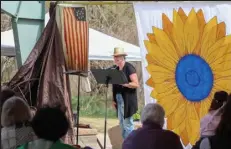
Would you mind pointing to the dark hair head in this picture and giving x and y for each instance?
(218, 100)
(224, 127)
(6, 93)
(50, 123)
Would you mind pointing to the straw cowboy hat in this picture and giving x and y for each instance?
(118, 51)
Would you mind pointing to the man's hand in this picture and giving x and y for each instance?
(134, 82)
(125, 85)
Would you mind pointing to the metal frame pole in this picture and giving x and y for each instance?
(78, 109)
(105, 122)
(105, 119)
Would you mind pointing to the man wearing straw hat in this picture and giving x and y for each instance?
(125, 95)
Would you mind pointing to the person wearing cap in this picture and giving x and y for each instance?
(125, 95)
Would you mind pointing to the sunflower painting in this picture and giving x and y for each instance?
(188, 61)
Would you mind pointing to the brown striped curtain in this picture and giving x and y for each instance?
(75, 32)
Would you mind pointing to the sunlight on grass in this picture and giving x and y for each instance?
(93, 106)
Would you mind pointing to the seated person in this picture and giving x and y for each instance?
(210, 122)
(50, 125)
(222, 137)
(6, 93)
(151, 135)
(15, 119)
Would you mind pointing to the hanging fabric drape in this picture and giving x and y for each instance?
(41, 81)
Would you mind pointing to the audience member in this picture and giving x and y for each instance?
(6, 93)
(15, 119)
(210, 122)
(50, 125)
(151, 135)
(222, 137)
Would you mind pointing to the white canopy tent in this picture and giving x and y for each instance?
(100, 45)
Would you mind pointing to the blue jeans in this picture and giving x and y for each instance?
(126, 125)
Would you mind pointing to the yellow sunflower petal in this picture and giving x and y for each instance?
(197, 106)
(191, 32)
(170, 103)
(151, 38)
(221, 62)
(167, 25)
(201, 21)
(161, 74)
(160, 78)
(165, 44)
(193, 126)
(150, 82)
(159, 69)
(153, 94)
(221, 30)
(169, 122)
(173, 90)
(184, 137)
(152, 60)
(218, 49)
(157, 54)
(178, 33)
(180, 128)
(180, 114)
(220, 52)
(223, 84)
(182, 15)
(167, 28)
(209, 36)
(225, 72)
(164, 87)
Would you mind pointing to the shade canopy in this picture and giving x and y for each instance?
(101, 46)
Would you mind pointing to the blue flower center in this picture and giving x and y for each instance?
(194, 77)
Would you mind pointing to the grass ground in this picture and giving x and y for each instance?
(92, 112)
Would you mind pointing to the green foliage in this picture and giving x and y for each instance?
(93, 106)
(136, 116)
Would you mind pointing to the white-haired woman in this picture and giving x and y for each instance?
(15, 119)
(151, 135)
